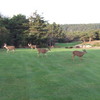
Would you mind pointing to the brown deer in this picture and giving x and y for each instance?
(9, 48)
(32, 46)
(42, 51)
(78, 53)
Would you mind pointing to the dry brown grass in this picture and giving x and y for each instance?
(92, 42)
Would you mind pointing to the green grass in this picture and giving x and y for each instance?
(25, 76)
(67, 44)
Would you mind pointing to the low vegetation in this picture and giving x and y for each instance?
(25, 76)
(67, 44)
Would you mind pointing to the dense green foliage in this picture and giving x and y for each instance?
(25, 76)
(13, 29)
(19, 31)
(84, 32)
(37, 28)
(80, 27)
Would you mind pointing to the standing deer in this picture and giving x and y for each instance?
(9, 48)
(78, 53)
(32, 46)
(42, 50)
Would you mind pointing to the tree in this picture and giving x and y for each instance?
(97, 34)
(91, 35)
(37, 29)
(55, 33)
(4, 32)
(4, 35)
(83, 36)
(17, 26)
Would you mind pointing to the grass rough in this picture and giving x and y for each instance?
(25, 76)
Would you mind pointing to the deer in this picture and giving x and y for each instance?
(78, 53)
(32, 46)
(9, 48)
(42, 51)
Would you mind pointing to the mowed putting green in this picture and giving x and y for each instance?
(55, 76)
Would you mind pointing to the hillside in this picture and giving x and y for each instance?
(80, 27)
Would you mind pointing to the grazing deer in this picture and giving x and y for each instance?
(12, 48)
(78, 53)
(42, 50)
(32, 46)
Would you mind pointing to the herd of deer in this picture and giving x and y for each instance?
(44, 51)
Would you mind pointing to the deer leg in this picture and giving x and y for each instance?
(38, 54)
(73, 57)
(13, 50)
(45, 54)
(80, 58)
(7, 50)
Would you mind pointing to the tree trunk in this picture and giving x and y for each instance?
(90, 39)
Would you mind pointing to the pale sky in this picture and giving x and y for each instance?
(59, 11)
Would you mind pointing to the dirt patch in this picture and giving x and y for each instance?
(92, 42)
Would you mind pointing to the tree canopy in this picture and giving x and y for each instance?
(19, 31)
